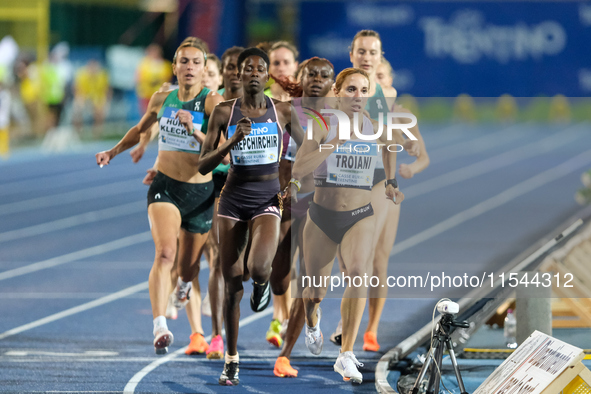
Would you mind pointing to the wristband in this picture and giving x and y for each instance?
(392, 182)
(296, 183)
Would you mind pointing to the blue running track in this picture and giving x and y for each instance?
(75, 253)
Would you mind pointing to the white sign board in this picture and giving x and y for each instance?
(532, 367)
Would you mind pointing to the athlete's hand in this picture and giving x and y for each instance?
(103, 158)
(290, 193)
(406, 171)
(243, 128)
(151, 173)
(137, 153)
(394, 194)
(412, 147)
(186, 119)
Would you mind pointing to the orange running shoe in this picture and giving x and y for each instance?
(216, 349)
(283, 369)
(370, 342)
(198, 345)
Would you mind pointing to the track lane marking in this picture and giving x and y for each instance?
(81, 254)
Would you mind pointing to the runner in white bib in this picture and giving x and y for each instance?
(341, 214)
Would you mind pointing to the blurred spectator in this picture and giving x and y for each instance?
(4, 112)
(152, 72)
(91, 86)
(28, 83)
(54, 76)
(212, 79)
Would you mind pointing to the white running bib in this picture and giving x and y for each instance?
(352, 164)
(261, 146)
(173, 134)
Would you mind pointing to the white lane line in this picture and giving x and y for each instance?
(133, 382)
(543, 178)
(484, 143)
(61, 179)
(60, 296)
(81, 254)
(107, 360)
(494, 163)
(37, 353)
(77, 309)
(73, 221)
(86, 194)
(449, 133)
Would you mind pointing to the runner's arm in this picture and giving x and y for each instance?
(214, 149)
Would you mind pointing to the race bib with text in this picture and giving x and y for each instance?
(174, 135)
(352, 164)
(261, 146)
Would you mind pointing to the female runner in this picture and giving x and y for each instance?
(253, 126)
(317, 77)
(341, 213)
(366, 53)
(180, 199)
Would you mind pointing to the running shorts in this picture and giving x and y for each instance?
(246, 200)
(335, 224)
(193, 200)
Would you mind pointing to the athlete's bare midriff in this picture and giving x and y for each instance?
(181, 166)
(341, 198)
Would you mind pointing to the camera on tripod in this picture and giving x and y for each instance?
(441, 340)
(450, 307)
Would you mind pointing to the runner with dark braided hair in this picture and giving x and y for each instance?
(317, 77)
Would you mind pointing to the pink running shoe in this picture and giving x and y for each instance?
(216, 348)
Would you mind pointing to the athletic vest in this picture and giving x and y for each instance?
(352, 164)
(376, 104)
(259, 152)
(173, 136)
(290, 151)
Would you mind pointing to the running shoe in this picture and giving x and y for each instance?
(583, 196)
(347, 365)
(314, 338)
(206, 306)
(181, 296)
(198, 345)
(260, 297)
(586, 178)
(216, 348)
(370, 342)
(171, 311)
(337, 336)
(162, 340)
(283, 369)
(274, 333)
(230, 375)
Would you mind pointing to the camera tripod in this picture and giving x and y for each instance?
(441, 338)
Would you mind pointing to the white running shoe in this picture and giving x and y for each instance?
(346, 365)
(181, 296)
(337, 336)
(206, 306)
(162, 340)
(171, 311)
(314, 338)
